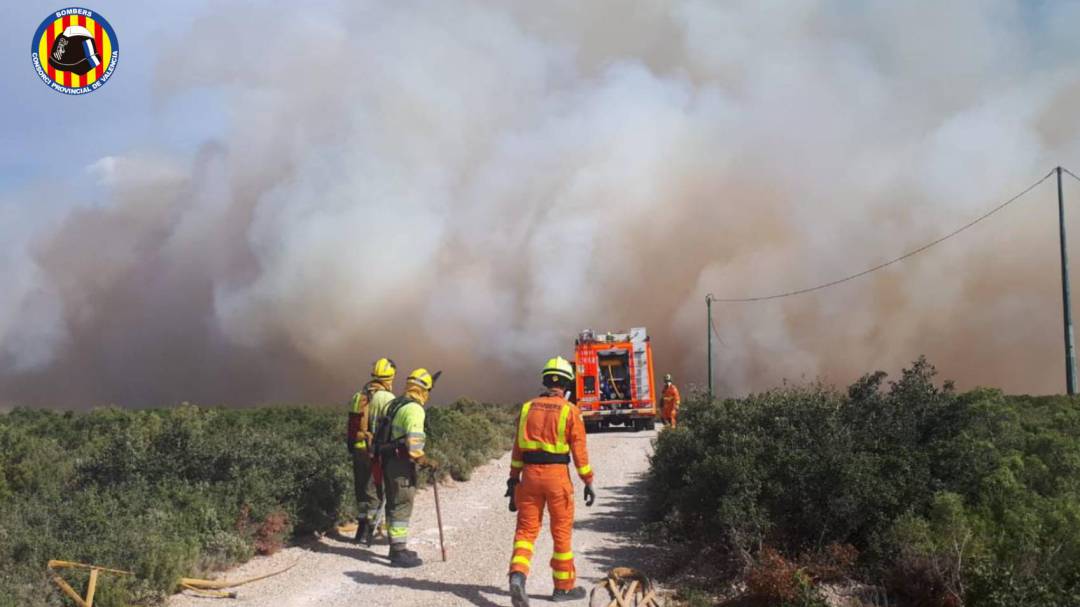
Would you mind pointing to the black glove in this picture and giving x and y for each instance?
(511, 483)
(590, 495)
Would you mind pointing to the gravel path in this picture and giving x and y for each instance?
(479, 531)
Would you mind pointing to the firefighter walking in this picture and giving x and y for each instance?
(671, 399)
(399, 441)
(368, 405)
(550, 430)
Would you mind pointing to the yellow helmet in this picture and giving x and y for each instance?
(384, 368)
(422, 378)
(559, 367)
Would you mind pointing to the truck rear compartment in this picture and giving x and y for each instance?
(614, 375)
(615, 379)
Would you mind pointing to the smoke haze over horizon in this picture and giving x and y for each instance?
(465, 187)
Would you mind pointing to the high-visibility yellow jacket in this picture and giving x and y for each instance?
(550, 430)
(408, 424)
(370, 402)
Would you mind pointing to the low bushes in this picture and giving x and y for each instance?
(775, 580)
(175, 492)
(467, 434)
(948, 498)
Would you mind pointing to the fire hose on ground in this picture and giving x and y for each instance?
(91, 586)
(206, 588)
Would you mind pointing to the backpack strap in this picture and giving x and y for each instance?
(364, 396)
(384, 439)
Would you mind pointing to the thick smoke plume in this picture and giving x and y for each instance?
(464, 186)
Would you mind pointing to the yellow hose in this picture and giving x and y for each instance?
(611, 380)
(70, 565)
(218, 584)
(206, 588)
(91, 586)
(210, 594)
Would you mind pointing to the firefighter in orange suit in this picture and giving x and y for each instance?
(550, 430)
(671, 401)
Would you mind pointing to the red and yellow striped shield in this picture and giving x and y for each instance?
(75, 51)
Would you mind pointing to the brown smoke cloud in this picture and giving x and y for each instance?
(464, 186)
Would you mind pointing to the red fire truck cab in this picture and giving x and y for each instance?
(615, 379)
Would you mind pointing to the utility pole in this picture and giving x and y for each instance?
(708, 335)
(1070, 343)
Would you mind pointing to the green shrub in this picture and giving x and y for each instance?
(693, 597)
(947, 496)
(179, 492)
(467, 434)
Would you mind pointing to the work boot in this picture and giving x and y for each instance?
(561, 596)
(369, 537)
(400, 556)
(362, 530)
(518, 596)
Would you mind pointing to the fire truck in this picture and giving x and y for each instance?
(615, 379)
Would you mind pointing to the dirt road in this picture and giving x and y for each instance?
(479, 530)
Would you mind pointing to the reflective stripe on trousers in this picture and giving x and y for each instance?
(399, 478)
(545, 487)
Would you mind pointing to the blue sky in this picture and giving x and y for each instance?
(47, 135)
(126, 114)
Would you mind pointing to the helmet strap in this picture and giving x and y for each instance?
(556, 382)
(419, 394)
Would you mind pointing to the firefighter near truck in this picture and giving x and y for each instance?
(614, 384)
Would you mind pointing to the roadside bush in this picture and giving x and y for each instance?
(949, 498)
(466, 434)
(178, 492)
(774, 580)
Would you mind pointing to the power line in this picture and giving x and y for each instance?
(886, 264)
(716, 333)
(1070, 173)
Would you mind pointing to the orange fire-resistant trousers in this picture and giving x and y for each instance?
(670, 414)
(545, 485)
